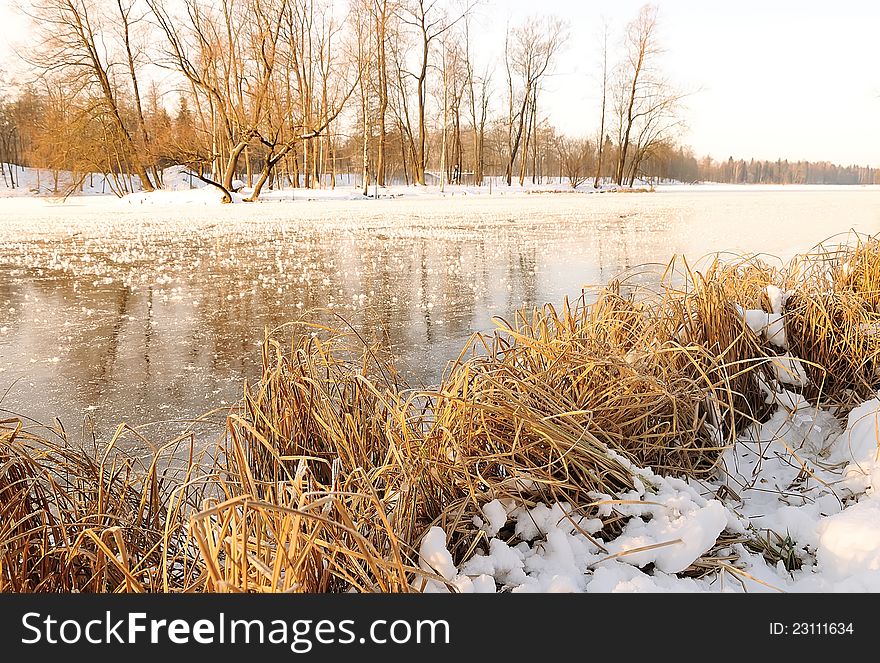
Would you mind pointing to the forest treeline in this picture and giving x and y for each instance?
(680, 164)
(310, 93)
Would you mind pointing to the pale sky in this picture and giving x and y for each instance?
(795, 79)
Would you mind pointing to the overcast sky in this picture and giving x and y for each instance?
(795, 79)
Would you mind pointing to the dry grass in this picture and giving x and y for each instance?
(325, 461)
(77, 520)
(834, 319)
(330, 469)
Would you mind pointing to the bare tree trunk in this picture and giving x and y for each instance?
(403, 156)
(332, 152)
(247, 164)
(419, 167)
(527, 115)
(366, 148)
(443, 138)
(382, 65)
(125, 16)
(536, 176)
(365, 128)
(267, 171)
(601, 142)
(232, 164)
(528, 52)
(472, 98)
(640, 35)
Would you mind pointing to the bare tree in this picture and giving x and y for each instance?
(659, 123)
(228, 55)
(529, 51)
(77, 41)
(364, 49)
(401, 108)
(479, 107)
(600, 139)
(641, 47)
(454, 73)
(647, 106)
(575, 159)
(307, 95)
(385, 16)
(129, 21)
(430, 21)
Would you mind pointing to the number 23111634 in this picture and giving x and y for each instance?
(811, 628)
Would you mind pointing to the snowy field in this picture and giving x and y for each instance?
(150, 310)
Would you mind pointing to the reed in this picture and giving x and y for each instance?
(95, 520)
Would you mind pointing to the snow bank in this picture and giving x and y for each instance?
(20, 182)
(797, 476)
(859, 446)
(670, 526)
(206, 195)
(683, 536)
(849, 544)
(178, 181)
(180, 178)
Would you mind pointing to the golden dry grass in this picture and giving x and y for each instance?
(73, 520)
(331, 469)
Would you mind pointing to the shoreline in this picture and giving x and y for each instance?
(207, 195)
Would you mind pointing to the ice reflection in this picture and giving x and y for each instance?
(156, 315)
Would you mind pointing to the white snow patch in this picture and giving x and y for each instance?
(789, 370)
(756, 319)
(496, 517)
(433, 555)
(849, 543)
(859, 447)
(776, 330)
(785, 478)
(777, 298)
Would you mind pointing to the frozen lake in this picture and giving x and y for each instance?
(153, 314)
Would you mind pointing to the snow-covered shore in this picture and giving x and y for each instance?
(798, 475)
(181, 186)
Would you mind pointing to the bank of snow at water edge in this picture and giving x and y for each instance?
(207, 194)
(798, 475)
(181, 185)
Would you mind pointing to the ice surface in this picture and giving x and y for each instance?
(164, 297)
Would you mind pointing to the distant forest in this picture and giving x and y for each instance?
(680, 164)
